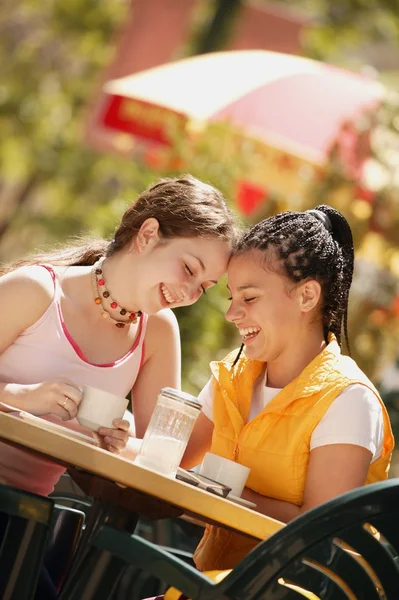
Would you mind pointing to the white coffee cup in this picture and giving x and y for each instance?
(99, 408)
(225, 471)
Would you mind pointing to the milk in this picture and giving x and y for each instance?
(161, 453)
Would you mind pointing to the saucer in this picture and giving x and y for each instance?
(50, 426)
(202, 482)
(238, 500)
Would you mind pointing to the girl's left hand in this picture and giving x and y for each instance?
(116, 439)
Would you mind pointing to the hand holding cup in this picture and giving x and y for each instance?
(102, 412)
(116, 438)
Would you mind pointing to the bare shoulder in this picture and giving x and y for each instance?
(27, 291)
(162, 330)
(34, 280)
(164, 318)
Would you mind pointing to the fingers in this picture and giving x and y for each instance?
(121, 424)
(72, 392)
(114, 449)
(60, 411)
(68, 398)
(114, 439)
(68, 407)
(117, 442)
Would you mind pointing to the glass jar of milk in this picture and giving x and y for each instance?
(168, 431)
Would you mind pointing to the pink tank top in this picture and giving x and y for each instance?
(46, 351)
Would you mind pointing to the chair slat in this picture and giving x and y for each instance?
(24, 526)
(388, 525)
(277, 591)
(378, 557)
(347, 568)
(316, 578)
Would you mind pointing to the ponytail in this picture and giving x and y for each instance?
(342, 234)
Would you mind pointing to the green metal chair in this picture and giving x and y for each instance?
(83, 503)
(345, 549)
(174, 535)
(65, 530)
(25, 522)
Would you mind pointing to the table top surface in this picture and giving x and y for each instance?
(73, 452)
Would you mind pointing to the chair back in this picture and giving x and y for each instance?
(24, 525)
(345, 549)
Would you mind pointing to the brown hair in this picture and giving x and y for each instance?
(184, 207)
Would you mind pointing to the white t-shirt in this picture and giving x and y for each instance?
(355, 416)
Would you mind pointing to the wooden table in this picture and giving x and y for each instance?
(100, 472)
(124, 491)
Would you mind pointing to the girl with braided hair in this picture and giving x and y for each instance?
(289, 405)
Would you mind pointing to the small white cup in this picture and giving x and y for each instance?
(99, 408)
(225, 471)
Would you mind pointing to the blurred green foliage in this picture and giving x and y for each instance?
(52, 186)
(343, 25)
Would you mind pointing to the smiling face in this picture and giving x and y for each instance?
(179, 272)
(270, 312)
(174, 272)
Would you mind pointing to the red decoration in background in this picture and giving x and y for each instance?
(152, 158)
(250, 196)
(284, 162)
(351, 148)
(176, 163)
(142, 119)
(155, 159)
(395, 306)
(364, 194)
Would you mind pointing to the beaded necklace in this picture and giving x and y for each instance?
(100, 291)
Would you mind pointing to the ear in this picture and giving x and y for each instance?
(148, 235)
(308, 294)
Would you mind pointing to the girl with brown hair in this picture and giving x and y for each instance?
(99, 314)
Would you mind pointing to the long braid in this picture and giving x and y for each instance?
(343, 235)
(313, 244)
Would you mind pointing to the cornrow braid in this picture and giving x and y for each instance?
(314, 244)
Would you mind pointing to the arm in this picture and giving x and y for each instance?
(161, 367)
(332, 470)
(201, 437)
(199, 443)
(24, 297)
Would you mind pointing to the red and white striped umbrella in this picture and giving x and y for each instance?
(292, 104)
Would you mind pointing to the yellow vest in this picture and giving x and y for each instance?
(275, 445)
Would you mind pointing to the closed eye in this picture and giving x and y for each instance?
(245, 299)
(189, 271)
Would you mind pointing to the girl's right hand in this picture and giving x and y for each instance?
(56, 397)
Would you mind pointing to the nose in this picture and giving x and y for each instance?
(234, 313)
